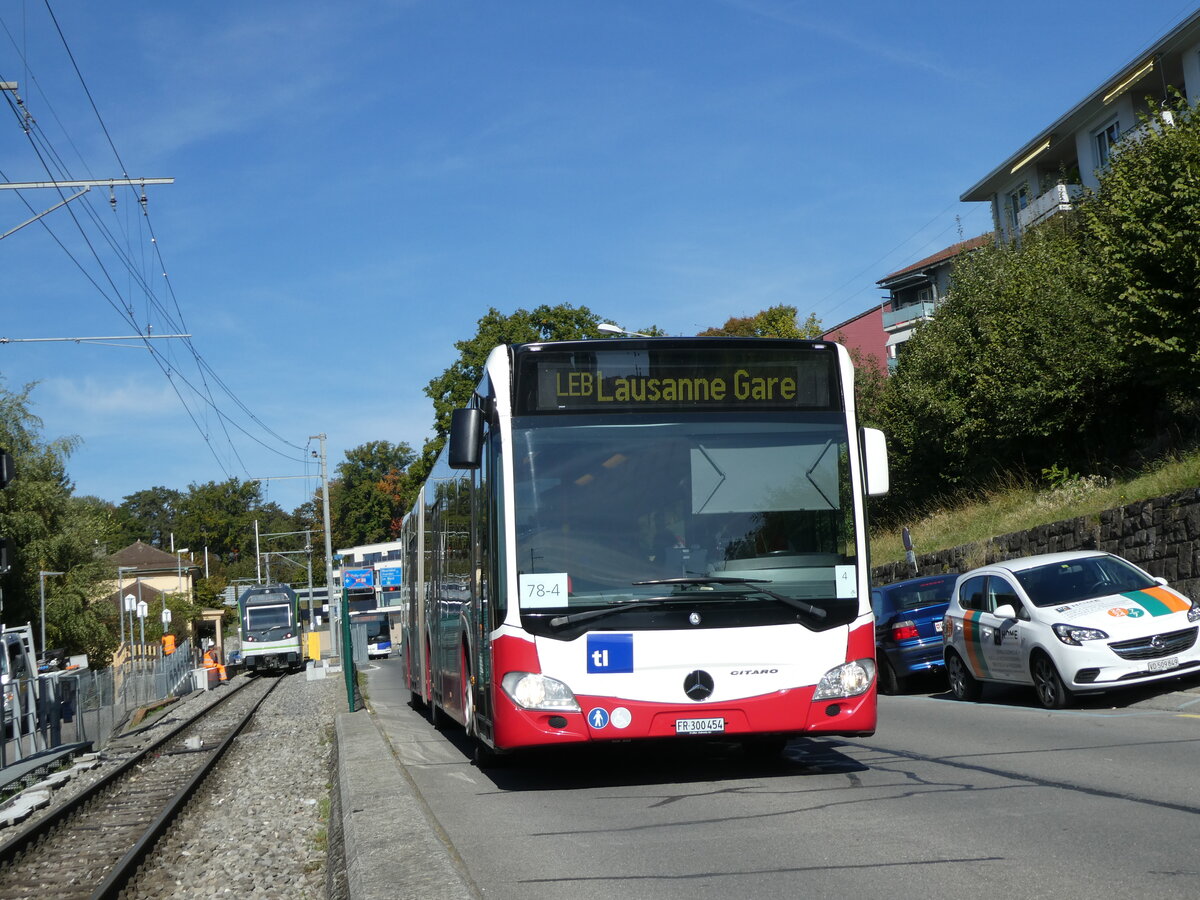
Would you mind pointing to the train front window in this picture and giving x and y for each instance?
(260, 618)
(603, 502)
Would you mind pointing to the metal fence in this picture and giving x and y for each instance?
(88, 705)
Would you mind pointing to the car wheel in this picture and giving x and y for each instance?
(1051, 692)
(889, 681)
(962, 683)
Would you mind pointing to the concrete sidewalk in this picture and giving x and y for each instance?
(394, 848)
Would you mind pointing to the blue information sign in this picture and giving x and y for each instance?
(358, 578)
(389, 577)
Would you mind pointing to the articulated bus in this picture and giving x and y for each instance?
(647, 538)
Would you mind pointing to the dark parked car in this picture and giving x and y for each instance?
(908, 628)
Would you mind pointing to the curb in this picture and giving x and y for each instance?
(391, 848)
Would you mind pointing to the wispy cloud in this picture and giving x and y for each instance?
(93, 398)
(798, 16)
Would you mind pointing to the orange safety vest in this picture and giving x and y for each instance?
(210, 662)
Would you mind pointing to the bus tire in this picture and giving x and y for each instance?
(485, 757)
(468, 694)
(436, 716)
(763, 747)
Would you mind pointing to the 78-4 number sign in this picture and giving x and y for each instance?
(541, 590)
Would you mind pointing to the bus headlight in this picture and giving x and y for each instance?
(532, 691)
(847, 680)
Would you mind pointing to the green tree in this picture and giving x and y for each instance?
(366, 500)
(775, 322)
(1144, 257)
(1013, 374)
(453, 388)
(149, 515)
(220, 515)
(50, 530)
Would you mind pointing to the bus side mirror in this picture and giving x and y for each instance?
(875, 458)
(466, 438)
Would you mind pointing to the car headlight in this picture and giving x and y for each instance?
(847, 680)
(1194, 613)
(532, 691)
(1075, 635)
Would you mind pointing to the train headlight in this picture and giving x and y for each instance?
(532, 691)
(847, 680)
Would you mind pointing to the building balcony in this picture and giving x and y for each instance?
(1056, 200)
(894, 319)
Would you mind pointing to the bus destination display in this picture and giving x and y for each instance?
(604, 381)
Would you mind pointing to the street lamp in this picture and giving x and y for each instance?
(42, 591)
(609, 328)
(120, 598)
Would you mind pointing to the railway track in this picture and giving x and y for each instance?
(91, 847)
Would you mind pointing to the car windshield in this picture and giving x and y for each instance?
(602, 503)
(917, 594)
(1082, 579)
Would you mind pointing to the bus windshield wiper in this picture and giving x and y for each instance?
(560, 621)
(794, 602)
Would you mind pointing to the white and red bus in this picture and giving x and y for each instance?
(647, 538)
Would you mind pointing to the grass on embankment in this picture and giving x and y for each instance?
(1022, 506)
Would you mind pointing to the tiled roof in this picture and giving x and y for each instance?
(940, 256)
(145, 558)
(144, 591)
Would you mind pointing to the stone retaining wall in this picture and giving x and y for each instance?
(1160, 535)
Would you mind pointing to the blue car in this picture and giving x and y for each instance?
(908, 628)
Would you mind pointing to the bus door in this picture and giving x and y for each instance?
(485, 519)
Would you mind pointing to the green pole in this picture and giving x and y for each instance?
(347, 656)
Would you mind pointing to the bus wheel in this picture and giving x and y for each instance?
(415, 700)
(485, 757)
(763, 747)
(468, 695)
(437, 718)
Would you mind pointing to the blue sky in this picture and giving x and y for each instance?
(357, 183)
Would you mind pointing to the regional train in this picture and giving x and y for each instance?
(270, 629)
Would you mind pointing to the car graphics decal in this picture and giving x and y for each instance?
(973, 633)
(1157, 601)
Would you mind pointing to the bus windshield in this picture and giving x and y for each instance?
(731, 507)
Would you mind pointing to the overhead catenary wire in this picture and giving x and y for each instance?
(102, 280)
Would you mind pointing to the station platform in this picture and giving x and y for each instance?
(393, 847)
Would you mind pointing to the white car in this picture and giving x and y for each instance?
(1066, 623)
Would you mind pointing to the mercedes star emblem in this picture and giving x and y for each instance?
(698, 685)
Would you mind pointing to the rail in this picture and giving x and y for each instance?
(80, 844)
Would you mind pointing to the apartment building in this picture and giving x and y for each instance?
(1058, 164)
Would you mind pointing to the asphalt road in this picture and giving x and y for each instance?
(949, 799)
